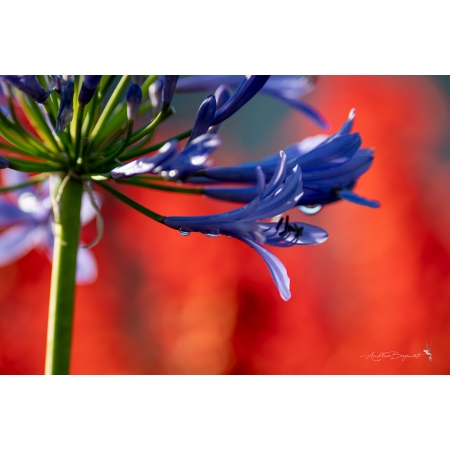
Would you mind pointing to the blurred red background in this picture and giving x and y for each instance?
(168, 304)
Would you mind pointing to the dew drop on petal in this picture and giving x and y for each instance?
(184, 232)
(314, 209)
(212, 234)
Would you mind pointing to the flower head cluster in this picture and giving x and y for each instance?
(101, 129)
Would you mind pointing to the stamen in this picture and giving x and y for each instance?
(280, 222)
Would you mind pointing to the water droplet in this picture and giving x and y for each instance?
(313, 209)
(184, 232)
(212, 234)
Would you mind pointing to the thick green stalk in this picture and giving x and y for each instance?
(62, 291)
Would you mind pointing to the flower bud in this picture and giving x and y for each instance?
(65, 113)
(170, 83)
(88, 88)
(134, 98)
(155, 94)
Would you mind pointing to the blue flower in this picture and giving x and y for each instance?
(330, 165)
(288, 89)
(65, 113)
(26, 221)
(205, 117)
(88, 88)
(246, 223)
(170, 162)
(29, 85)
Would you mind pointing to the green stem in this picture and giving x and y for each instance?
(115, 153)
(62, 291)
(163, 187)
(152, 148)
(132, 203)
(109, 106)
(79, 123)
(24, 165)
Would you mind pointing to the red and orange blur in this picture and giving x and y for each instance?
(168, 304)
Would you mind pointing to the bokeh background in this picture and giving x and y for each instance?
(168, 304)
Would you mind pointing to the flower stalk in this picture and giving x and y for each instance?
(62, 291)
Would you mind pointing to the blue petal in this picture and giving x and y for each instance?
(355, 198)
(16, 242)
(222, 94)
(277, 270)
(250, 86)
(86, 267)
(278, 176)
(204, 117)
(285, 199)
(342, 174)
(309, 235)
(194, 157)
(238, 195)
(170, 83)
(316, 197)
(347, 127)
(308, 110)
(10, 214)
(336, 147)
(147, 164)
(207, 83)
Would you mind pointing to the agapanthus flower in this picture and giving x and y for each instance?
(110, 137)
(170, 162)
(246, 223)
(27, 222)
(286, 88)
(331, 166)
